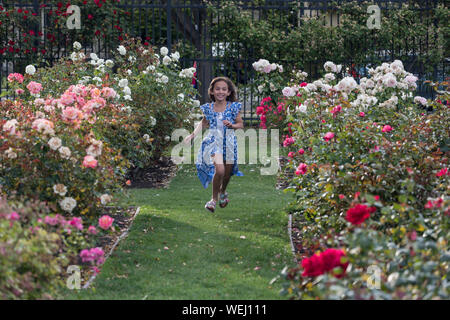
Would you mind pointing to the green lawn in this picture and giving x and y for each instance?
(178, 250)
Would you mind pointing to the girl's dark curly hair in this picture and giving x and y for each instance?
(231, 87)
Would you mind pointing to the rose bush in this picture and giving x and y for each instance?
(50, 149)
(37, 246)
(371, 181)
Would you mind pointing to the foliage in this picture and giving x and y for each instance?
(101, 20)
(308, 41)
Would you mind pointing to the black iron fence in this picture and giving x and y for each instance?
(200, 31)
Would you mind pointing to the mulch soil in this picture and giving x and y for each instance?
(283, 181)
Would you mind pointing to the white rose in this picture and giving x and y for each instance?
(127, 91)
(30, 69)
(288, 92)
(175, 56)
(60, 189)
(55, 143)
(166, 60)
(132, 59)
(127, 97)
(153, 121)
(123, 83)
(122, 50)
(65, 152)
(105, 199)
(77, 45)
(68, 204)
(109, 63)
(196, 103)
(301, 108)
(94, 56)
(164, 51)
(164, 79)
(180, 97)
(10, 126)
(11, 154)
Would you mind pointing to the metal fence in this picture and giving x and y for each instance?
(189, 26)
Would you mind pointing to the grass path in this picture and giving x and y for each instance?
(178, 250)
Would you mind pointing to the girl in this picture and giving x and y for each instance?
(217, 157)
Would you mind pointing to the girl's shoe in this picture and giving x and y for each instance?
(223, 201)
(210, 205)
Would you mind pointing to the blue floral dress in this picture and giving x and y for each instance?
(219, 140)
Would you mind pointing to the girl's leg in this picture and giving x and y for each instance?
(218, 176)
(226, 177)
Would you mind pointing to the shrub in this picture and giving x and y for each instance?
(372, 182)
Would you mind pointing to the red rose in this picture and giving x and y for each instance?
(331, 258)
(313, 266)
(359, 213)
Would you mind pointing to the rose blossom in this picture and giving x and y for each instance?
(105, 222)
(70, 113)
(65, 152)
(331, 258)
(359, 213)
(105, 198)
(68, 204)
(89, 162)
(301, 169)
(34, 87)
(10, 126)
(92, 230)
(328, 136)
(54, 143)
(386, 128)
(15, 76)
(313, 266)
(60, 189)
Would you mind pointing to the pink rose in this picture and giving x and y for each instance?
(70, 113)
(301, 169)
(328, 136)
(362, 114)
(14, 216)
(92, 230)
(301, 151)
(386, 128)
(105, 222)
(291, 154)
(34, 87)
(19, 91)
(108, 92)
(89, 162)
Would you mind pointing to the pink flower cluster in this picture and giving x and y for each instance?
(336, 110)
(443, 172)
(288, 141)
(34, 87)
(15, 77)
(80, 102)
(96, 255)
(434, 203)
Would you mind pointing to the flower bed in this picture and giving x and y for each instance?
(371, 205)
(67, 142)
